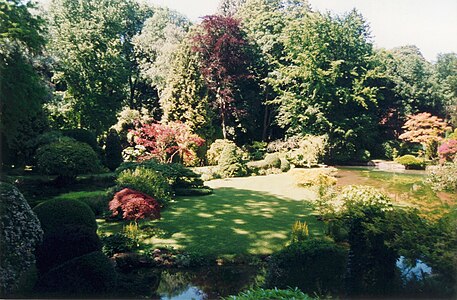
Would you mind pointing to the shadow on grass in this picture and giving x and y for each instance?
(230, 221)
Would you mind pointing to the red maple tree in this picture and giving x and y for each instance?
(164, 141)
(134, 205)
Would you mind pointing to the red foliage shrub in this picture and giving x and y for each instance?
(447, 151)
(134, 205)
(164, 141)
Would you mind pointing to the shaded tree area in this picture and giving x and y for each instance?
(258, 70)
(22, 90)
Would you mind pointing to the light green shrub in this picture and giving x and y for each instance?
(230, 162)
(411, 162)
(309, 151)
(147, 181)
(214, 152)
(270, 294)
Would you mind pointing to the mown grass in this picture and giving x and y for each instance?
(228, 222)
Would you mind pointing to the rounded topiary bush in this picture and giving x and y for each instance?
(89, 275)
(55, 213)
(67, 159)
(64, 244)
(411, 162)
(313, 265)
(20, 232)
(147, 181)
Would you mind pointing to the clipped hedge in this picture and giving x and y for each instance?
(55, 213)
(83, 136)
(67, 159)
(64, 244)
(89, 275)
(20, 232)
(411, 162)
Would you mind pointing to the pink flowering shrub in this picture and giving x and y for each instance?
(134, 205)
(447, 151)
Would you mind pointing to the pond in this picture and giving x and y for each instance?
(406, 188)
(202, 283)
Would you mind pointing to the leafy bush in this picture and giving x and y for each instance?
(411, 162)
(113, 150)
(447, 151)
(178, 176)
(313, 266)
(230, 162)
(118, 243)
(315, 177)
(67, 159)
(55, 213)
(272, 160)
(310, 151)
(83, 136)
(273, 294)
(64, 244)
(257, 150)
(20, 233)
(390, 149)
(443, 178)
(134, 205)
(215, 151)
(89, 275)
(147, 181)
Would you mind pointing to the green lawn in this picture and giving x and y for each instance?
(240, 217)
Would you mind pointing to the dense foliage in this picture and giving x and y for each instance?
(312, 265)
(266, 294)
(147, 181)
(67, 159)
(134, 205)
(87, 276)
(20, 233)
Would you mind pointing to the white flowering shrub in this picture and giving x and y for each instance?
(358, 196)
(20, 233)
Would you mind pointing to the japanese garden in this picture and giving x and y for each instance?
(266, 151)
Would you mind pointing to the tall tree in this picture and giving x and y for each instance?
(22, 91)
(325, 84)
(87, 39)
(157, 43)
(446, 71)
(224, 53)
(185, 97)
(264, 22)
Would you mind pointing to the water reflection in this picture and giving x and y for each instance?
(199, 284)
(417, 272)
